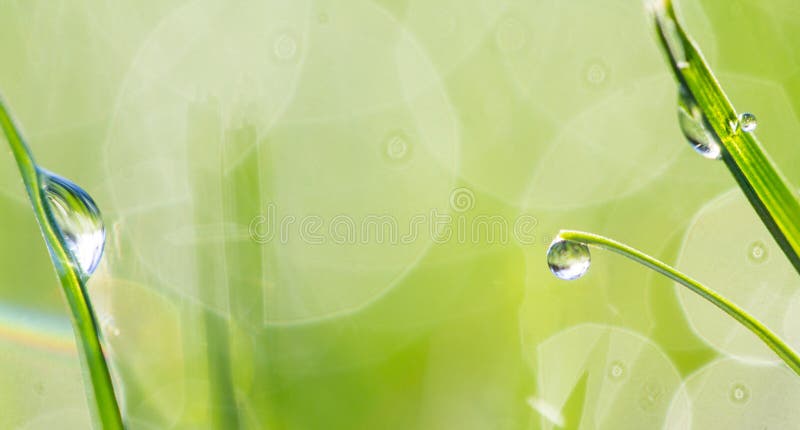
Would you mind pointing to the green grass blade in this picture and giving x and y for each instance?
(772, 340)
(102, 399)
(767, 190)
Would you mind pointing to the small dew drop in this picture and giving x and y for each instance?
(739, 393)
(747, 122)
(695, 127)
(568, 260)
(78, 220)
(757, 252)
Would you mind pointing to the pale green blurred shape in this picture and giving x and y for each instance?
(188, 120)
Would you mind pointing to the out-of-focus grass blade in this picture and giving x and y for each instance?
(768, 191)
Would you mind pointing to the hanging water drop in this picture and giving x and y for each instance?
(568, 260)
(78, 219)
(747, 122)
(695, 127)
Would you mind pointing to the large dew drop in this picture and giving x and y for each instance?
(78, 220)
(695, 127)
(568, 260)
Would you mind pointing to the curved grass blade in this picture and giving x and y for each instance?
(772, 340)
(100, 390)
(768, 191)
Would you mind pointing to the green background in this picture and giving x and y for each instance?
(188, 121)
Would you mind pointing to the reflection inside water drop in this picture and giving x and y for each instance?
(695, 127)
(568, 260)
(78, 220)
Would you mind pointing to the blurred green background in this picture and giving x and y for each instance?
(330, 214)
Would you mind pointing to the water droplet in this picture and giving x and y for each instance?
(757, 252)
(568, 260)
(739, 393)
(747, 122)
(617, 370)
(695, 127)
(78, 220)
